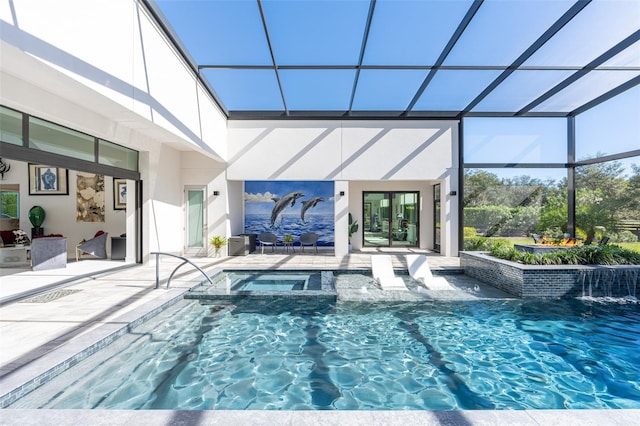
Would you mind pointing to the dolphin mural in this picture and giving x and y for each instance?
(306, 205)
(281, 203)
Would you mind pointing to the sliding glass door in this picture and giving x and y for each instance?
(390, 219)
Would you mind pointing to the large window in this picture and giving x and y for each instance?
(608, 201)
(512, 204)
(10, 126)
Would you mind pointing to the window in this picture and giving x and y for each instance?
(10, 202)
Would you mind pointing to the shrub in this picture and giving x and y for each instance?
(469, 232)
(587, 255)
(483, 243)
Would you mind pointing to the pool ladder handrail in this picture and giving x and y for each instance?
(185, 261)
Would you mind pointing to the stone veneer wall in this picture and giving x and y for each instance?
(530, 281)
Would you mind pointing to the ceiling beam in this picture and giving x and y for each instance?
(363, 48)
(473, 9)
(273, 56)
(548, 34)
(633, 38)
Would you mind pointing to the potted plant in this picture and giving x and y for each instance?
(288, 239)
(218, 242)
(353, 228)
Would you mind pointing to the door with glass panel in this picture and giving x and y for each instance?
(196, 221)
(436, 217)
(391, 219)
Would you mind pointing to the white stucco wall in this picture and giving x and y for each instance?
(358, 156)
(103, 67)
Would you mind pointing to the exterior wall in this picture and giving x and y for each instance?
(130, 86)
(129, 81)
(358, 156)
(107, 70)
(533, 281)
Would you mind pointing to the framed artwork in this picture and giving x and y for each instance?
(48, 180)
(119, 194)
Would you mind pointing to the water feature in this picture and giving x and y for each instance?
(602, 281)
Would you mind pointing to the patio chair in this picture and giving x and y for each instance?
(309, 239)
(97, 246)
(267, 239)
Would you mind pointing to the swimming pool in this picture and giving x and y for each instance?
(286, 354)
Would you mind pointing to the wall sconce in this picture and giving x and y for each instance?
(216, 193)
(453, 193)
(342, 193)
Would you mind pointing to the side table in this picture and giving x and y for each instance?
(118, 248)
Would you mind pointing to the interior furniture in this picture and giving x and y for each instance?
(13, 255)
(97, 246)
(309, 239)
(239, 245)
(48, 253)
(118, 248)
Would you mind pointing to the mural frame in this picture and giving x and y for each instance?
(37, 184)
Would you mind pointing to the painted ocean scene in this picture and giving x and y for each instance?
(290, 207)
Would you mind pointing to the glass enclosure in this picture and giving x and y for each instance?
(513, 204)
(391, 219)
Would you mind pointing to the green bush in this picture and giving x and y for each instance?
(483, 243)
(469, 232)
(587, 255)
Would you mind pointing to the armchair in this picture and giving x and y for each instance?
(97, 246)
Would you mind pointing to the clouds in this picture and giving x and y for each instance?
(259, 197)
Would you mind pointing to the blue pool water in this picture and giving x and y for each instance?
(294, 355)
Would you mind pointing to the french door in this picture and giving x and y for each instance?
(390, 219)
(195, 220)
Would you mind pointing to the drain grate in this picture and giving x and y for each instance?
(50, 296)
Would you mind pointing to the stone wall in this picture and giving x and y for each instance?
(535, 281)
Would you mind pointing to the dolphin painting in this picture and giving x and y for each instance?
(281, 203)
(306, 205)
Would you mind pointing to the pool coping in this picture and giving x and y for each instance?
(21, 417)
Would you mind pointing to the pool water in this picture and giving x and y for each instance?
(287, 354)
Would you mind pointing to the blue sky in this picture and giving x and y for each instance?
(402, 34)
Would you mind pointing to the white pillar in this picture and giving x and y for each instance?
(341, 205)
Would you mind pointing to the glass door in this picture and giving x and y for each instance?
(390, 219)
(436, 217)
(195, 238)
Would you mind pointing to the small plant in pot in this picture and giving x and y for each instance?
(288, 239)
(218, 242)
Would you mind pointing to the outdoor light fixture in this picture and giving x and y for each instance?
(216, 193)
(452, 193)
(342, 193)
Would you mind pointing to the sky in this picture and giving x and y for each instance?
(405, 37)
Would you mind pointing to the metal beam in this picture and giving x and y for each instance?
(273, 56)
(633, 38)
(606, 96)
(363, 48)
(473, 9)
(30, 155)
(551, 31)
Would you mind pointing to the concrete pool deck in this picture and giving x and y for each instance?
(42, 331)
